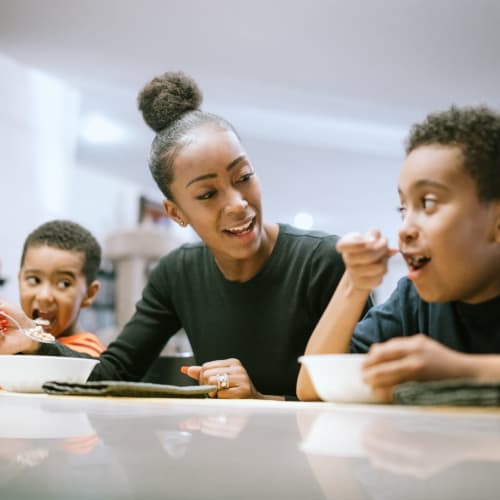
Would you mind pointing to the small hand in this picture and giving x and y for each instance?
(402, 359)
(365, 258)
(12, 339)
(240, 385)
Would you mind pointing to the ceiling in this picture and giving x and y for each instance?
(278, 69)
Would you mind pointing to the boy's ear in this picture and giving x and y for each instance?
(90, 296)
(174, 212)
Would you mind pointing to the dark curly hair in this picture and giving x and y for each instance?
(67, 235)
(170, 105)
(476, 131)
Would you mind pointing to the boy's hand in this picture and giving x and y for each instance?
(365, 257)
(13, 340)
(402, 359)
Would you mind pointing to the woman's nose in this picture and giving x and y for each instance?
(235, 203)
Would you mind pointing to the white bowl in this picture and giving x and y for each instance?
(337, 377)
(22, 373)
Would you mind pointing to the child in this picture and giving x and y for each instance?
(443, 319)
(59, 265)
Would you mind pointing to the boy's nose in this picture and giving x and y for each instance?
(44, 293)
(408, 232)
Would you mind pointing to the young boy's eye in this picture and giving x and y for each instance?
(32, 280)
(63, 284)
(206, 196)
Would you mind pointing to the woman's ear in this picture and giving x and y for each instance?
(497, 221)
(174, 212)
(91, 294)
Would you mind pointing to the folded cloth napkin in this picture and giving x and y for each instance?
(128, 389)
(451, 392)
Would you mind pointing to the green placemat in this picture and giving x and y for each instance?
(128, 389)
(452, 392)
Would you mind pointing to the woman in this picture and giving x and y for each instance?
(249, 294)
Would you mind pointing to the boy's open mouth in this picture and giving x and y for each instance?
(40, 319)
(416, 261)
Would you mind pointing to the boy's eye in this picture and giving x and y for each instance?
(32, 280)
(402, 211)
(206, 196)
(428, 203)
(63, 284)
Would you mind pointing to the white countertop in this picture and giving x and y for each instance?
(60, 447)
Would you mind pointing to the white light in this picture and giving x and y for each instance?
(303, 220)
(99, 130)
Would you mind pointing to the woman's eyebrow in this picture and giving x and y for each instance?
(233, 164)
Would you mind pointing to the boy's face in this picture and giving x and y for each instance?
(449, 239)
(52, 286)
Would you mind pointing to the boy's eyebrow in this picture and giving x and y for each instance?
(59, 271)
(211, 176)
(427, 183)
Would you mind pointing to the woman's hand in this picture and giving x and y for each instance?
(239, 385)
(13, 340)
(402, 359)
(365, 258)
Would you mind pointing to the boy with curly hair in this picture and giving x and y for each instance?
(443, 319)
(58, 277)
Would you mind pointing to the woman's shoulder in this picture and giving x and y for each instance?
(306, 237)
(186, 254)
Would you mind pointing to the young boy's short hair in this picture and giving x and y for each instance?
(68, 235)
(476, 131)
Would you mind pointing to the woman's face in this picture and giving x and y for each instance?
(216, 191)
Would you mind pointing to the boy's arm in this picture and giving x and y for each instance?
(333, 332)
(365, 258)
(421, 358)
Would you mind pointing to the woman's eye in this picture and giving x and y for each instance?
(246, 177)
(205, 196)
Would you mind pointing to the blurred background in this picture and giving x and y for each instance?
(322, 92)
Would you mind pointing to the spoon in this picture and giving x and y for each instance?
(36, 333)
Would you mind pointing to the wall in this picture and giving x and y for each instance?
(40, 179)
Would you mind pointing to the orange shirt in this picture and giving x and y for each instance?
(83, 342)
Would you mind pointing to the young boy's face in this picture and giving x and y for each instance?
(449, 239)
(52, 286)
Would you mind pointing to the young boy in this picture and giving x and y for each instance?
(59, 265)
(443, 319)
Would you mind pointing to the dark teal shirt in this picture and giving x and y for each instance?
(469, 328)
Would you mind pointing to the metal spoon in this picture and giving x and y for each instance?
(36, 333)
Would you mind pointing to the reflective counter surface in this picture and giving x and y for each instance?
(60, 447)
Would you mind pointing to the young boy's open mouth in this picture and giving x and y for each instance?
(415, 263)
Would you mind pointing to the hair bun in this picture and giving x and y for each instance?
(167, 97)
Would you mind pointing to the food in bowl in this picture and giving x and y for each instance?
(26, 373)
(337, 377)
